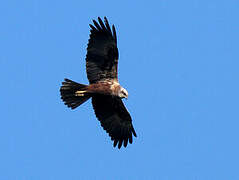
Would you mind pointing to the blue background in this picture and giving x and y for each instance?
(178, 61)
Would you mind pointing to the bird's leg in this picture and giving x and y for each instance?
(80, 93)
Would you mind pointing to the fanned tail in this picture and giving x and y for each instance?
(68, 93)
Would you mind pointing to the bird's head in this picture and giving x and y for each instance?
(123, 93)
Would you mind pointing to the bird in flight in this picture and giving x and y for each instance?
(104, 89)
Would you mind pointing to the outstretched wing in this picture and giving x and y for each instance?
(102, 52)
(114, 118)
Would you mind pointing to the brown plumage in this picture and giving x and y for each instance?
(104, 88)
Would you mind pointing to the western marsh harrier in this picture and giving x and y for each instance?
(104, 88)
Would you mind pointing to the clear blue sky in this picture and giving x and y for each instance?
(179, 61)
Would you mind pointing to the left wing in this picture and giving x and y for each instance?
(102, 52)
(114, 118)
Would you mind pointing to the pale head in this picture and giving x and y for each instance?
(123, 93)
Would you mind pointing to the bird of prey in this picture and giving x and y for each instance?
(104, 88)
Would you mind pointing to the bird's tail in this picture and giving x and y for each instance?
(72, 93)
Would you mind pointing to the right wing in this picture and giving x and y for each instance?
(102, 52)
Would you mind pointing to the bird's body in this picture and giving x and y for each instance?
(104, 88)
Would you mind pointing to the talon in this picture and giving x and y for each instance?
(80, 93)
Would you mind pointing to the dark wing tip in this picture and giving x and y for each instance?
(120, 143)
(115, 143)
(92, 27)
(103, 27)
(107, 25)
(124, 138)
(99, 19)
(133, 131)
(125, 142)
(114, 33)
(97, 25)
